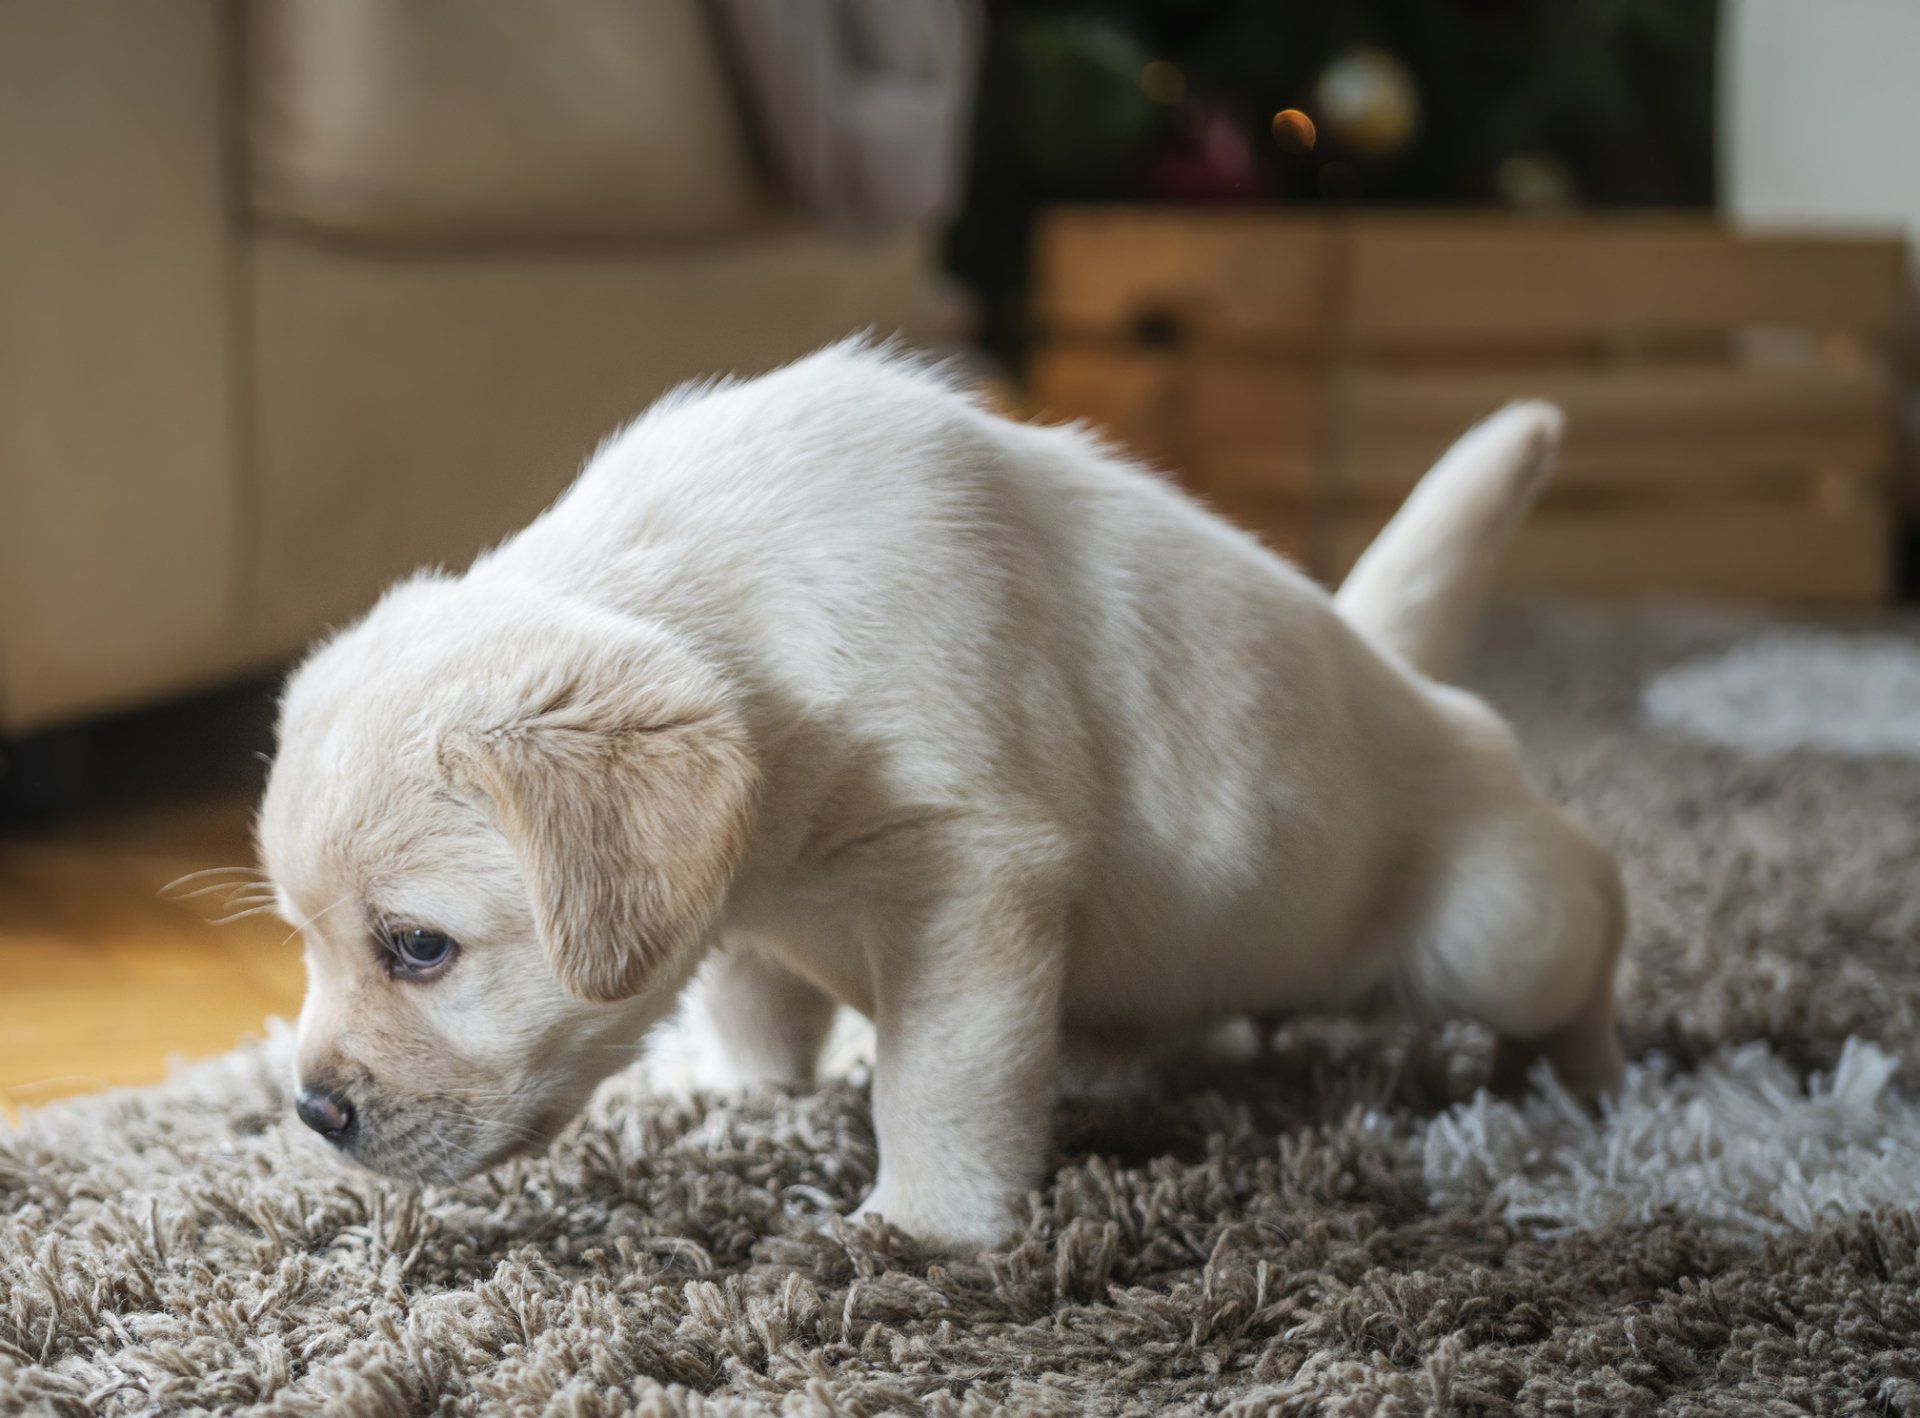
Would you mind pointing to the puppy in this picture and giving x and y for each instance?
(837, 688)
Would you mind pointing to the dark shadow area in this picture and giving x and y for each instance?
(210, 744)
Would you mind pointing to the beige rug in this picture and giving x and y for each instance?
(1341, 1226)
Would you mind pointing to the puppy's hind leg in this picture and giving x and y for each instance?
(1584, 1053)
(1525, 938)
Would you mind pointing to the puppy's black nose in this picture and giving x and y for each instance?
(326, 1112)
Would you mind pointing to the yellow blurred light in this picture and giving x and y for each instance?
(1163, 82)
(1367, 100)
(1294, 131)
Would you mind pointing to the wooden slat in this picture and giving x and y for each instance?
(1132, 397)
(1221, 423)
(1302, 372)
(1471, 282)
(1255, 426)
(1113, 271)
(1779, 550)
(1632, 427)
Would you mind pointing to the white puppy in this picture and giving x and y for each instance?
(843, 689)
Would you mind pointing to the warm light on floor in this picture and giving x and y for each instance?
(104, 983)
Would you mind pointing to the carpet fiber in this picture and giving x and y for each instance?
(1339, 1225)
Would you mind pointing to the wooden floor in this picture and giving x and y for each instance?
(103, 980)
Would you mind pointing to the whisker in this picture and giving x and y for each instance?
(513, 1094)
(315, 917)
(232, 888)
(482, 1099)
(268, 908)
(524, 1134)
(180, 881)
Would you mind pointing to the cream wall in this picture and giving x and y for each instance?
(1820, 111)
(1820, 122)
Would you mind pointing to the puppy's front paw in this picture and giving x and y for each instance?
(951, 1221)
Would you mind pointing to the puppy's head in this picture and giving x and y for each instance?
(502, 820)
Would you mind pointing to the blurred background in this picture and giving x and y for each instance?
(298, 295)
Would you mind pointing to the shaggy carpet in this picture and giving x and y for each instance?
(1340, 1224)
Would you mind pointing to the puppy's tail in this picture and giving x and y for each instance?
(1417, 588)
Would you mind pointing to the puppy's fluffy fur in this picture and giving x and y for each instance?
(836, 687)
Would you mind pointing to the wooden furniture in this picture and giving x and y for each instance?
(1729, 397)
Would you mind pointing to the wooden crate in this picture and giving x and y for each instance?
(1729, 397)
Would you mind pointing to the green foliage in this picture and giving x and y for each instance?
(1085, 114)
(1602, 102)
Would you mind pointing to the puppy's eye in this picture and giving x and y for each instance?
(419, 953)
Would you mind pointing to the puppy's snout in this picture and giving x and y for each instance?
(327, 1112)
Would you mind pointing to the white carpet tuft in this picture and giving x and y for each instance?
(1739, 1143)
(1788, 689)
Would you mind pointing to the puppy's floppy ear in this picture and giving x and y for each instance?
(628, 814)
